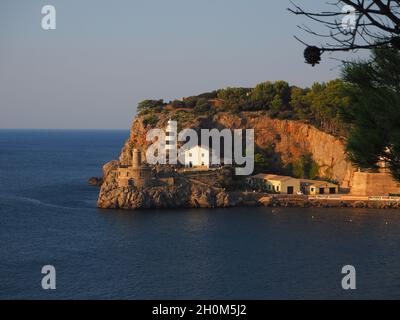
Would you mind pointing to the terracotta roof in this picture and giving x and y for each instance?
(274, 177)
(317, 183)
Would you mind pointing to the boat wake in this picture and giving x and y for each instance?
(40, 203)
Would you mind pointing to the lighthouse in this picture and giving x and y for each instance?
(138, 174)
(136, 159)
(171, 141)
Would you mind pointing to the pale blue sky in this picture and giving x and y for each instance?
(106, 56)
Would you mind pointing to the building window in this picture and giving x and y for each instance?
(190, 155)
(203, 155)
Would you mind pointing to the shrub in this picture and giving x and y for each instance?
(148, 106)
(305, 168)
(150, 120)
(178, 104)
(202, 108)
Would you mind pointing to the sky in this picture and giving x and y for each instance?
(106, 56)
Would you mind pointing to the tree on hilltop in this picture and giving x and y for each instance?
(374, 115)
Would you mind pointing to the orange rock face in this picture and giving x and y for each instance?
(292, 139)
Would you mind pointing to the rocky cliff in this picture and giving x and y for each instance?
(184, 195)
(291, 140)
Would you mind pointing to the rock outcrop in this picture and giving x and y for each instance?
(184, 194)
(95, 181)
(291, 140)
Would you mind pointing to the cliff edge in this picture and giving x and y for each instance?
(290, 140)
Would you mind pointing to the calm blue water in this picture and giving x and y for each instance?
(48, 216)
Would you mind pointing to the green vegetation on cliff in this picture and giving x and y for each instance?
(374, 115)
(364, 107)
(305, 168)
(321, 104)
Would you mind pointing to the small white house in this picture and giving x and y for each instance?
(197, 156)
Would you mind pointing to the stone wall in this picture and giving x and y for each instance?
(370, 184)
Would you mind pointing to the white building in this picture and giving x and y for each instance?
(197, 156)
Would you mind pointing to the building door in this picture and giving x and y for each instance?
(321, 190)
(332, 190)
(290, 190)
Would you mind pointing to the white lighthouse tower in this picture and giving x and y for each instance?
(171, 142)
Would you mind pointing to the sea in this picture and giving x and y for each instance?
(48, 217)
